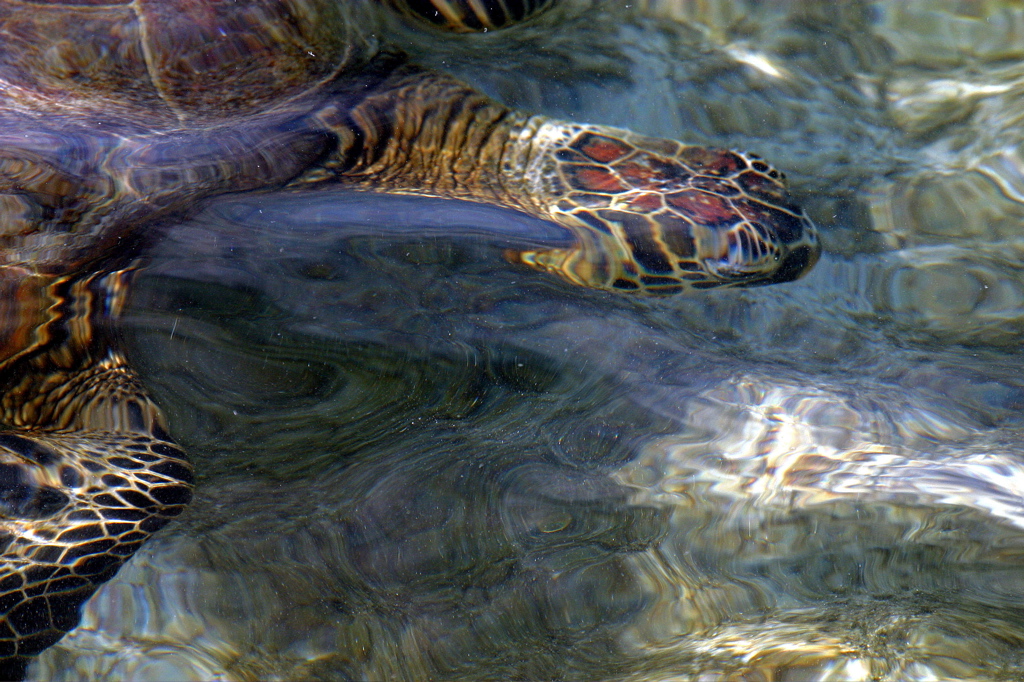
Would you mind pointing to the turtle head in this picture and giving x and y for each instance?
(656, 216)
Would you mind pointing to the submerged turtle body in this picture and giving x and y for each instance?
(120, 114)
(118, 117)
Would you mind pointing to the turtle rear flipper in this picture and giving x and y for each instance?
(87, 470)
(66, 526)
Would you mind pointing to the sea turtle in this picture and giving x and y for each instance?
(119, 116)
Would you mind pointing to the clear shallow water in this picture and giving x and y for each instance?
(419, 462)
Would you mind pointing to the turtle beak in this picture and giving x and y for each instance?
(745, 260)
(796, 261)
(794, 265)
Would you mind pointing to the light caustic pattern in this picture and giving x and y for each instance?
(816, 534)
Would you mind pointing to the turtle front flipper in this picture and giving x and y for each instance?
(87, 471)
(649, 215)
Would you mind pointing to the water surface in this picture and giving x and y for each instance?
(418, 461)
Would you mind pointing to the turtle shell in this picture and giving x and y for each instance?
(167, 62)
(114, 113)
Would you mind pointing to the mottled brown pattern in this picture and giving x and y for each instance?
(593, 179)
(704, 208)
(675, 217)
(67, 55)
(601, 148)
(759, 186)
(637, 174)
(87, 470)
(647, 202)
(215, 58)
(712, 161)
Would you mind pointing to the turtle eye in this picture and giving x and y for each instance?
(472, 16)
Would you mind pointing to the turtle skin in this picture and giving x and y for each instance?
(87, 470)
(119, 117)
